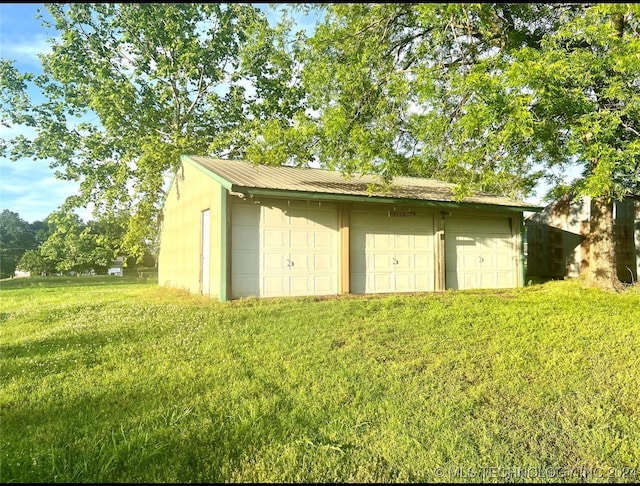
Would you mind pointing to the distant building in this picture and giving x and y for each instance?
(117, 267)
(558, 239)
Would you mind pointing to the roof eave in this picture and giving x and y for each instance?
(257, 191)
(328, 196)
(219, 179)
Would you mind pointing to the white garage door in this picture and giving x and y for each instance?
(479, 253)
(282, 248)
(391, 253)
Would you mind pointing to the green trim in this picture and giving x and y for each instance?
(523, 271)
(166, 194)
(377, 199)
(220, 180)
(224, 271)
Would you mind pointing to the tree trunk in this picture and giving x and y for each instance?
(602, 250)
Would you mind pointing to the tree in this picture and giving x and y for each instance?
(128, 88)
(41, 232)
(16, 237)
(63, 242)
(33, 261)
(73, 245)
(491, 96)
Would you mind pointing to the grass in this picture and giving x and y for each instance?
(118, 380)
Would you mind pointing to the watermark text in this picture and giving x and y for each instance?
(517, 472)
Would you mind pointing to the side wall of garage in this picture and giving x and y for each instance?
(189, 259)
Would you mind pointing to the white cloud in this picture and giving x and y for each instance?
(30, 189)
(25, 50)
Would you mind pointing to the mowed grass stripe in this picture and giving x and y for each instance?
(121, 381)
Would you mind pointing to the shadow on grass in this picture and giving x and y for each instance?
(84, 281)
(55, 344)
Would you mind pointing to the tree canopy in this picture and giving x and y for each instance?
(128, 88)
(492, 96)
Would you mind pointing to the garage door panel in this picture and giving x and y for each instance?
(424, 261)
(323, 240)
(358, 261)
(479, 253)
(300, 262)
(381, 240)
(382, 283)
(504, 245)
(246, 262)
(505, 279)
(403, 262)
(325, 218)
(323, 261)
(299, 285)
(463, 241)
(325, 285)
(478, 225)
(245, 239)
(245, 286)
(468, 260)
(245, 214)
(380, 262)
(272, 262)
(487, 280)
(471, 281)
(297, 217)
(272, 286)
(503, 261)
(482, 244)
(398, 252)
(273, 238)
(295, 244)
(404, 283)
(299, 239)
(404, 242)
(424, 241)
(272, 216)
(424, 281)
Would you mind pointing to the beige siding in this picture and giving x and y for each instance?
(179, 262)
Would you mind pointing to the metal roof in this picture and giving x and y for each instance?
(241, 176)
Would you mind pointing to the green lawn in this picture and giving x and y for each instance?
(108, 379)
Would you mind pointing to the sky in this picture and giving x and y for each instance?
(29, 187)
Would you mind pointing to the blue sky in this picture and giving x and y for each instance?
(28, 187)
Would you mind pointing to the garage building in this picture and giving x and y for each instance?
(233, 229)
